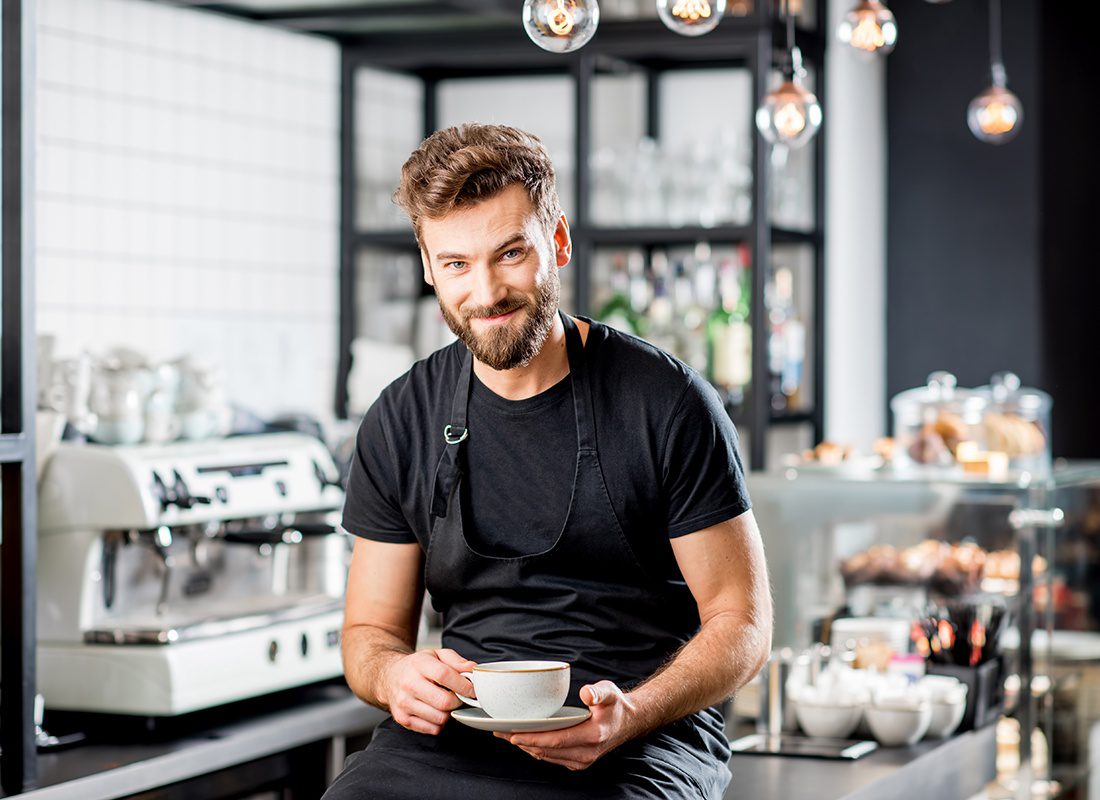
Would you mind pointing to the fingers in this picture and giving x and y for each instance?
(570, 759)
(453, 659)
(422, 688)
(420, 726)
(600, 693)
(589, 734)
(444, 668)
(420, 717)
(422, 693)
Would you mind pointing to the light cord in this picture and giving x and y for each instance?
(996, 62)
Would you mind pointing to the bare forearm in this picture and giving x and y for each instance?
(724, 655)
(368, 651)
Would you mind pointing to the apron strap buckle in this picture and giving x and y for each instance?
(450, 437)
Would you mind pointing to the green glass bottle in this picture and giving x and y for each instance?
(729, 332)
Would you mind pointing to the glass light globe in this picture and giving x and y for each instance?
(691, 17)
(560, 26)
(789, 115)
(869, 29)
(996, 115)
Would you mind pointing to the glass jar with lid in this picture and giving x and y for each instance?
(932, 422)
(1017, 423)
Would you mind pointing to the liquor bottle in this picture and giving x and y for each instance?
(639, 289)
(690, 313)
(660, 328)
(786, 341)
(729, 333)
(617, 312)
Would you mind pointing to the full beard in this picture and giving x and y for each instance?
(508, 346)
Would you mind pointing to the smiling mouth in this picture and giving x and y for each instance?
(499, 317)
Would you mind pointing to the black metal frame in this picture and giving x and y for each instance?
(18, 552)
(754, 42)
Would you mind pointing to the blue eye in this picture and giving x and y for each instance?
(512, 254)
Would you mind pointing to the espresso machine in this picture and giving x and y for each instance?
(180, 576)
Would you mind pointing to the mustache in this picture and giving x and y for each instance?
(503, 307)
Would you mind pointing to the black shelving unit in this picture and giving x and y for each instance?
(754, 43)
(18, 551)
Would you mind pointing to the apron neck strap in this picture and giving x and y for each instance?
(456, 432)
(582, 397)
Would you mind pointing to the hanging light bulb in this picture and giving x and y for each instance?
(691, 17)
(790, 115)
(869, 29)
(996, 115)
(560, 26)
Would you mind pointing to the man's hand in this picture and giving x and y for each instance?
(421, 687)
(614, 721)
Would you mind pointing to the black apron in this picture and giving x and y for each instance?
(586, 600)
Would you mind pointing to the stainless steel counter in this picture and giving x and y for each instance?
(96, 771)
(956, 768)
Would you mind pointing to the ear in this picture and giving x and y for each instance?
(427, 264)
(563, 242)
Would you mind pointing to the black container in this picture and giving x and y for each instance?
(985, 690)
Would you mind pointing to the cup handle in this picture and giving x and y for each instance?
(468, 700)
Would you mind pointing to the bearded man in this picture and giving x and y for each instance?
(562, 491)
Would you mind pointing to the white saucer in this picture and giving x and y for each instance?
(565, 717)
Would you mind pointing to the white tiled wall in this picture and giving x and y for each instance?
(389, 125)
(187, 179)
(540, 105)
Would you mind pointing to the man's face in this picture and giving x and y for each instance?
(494, 268)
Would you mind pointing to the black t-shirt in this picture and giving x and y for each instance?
(667, 449)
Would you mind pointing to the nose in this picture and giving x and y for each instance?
(487, 288)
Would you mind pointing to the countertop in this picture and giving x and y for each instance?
(102, 770)
(956, 768)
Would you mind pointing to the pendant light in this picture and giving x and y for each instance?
(996, 115)
(790, 114)
(691, 17)
(561, 26)
(870, 29)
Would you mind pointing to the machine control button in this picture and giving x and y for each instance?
(184, 498)
(323, 479)
(303, 644)
(280, 488)
(162, 492)
(273, 651)
(332, 638)
(222, 494)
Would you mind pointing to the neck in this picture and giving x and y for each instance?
(543, 371)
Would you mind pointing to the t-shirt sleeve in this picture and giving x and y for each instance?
(372, 508)
(703, 476)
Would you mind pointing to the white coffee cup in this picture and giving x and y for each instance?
(519, 689)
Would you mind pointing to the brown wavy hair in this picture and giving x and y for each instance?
(464, 165)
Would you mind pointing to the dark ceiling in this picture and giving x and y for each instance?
(356, 18)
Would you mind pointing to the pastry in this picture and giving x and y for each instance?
(928, 448)
(951, 429)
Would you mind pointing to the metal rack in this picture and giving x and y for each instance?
(19, 765)
(753, 43)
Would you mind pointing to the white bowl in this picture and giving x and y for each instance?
(946, 716)
(938, 684)
(829, 720)
(900, 725)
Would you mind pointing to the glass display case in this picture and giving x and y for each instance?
(993, 582)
